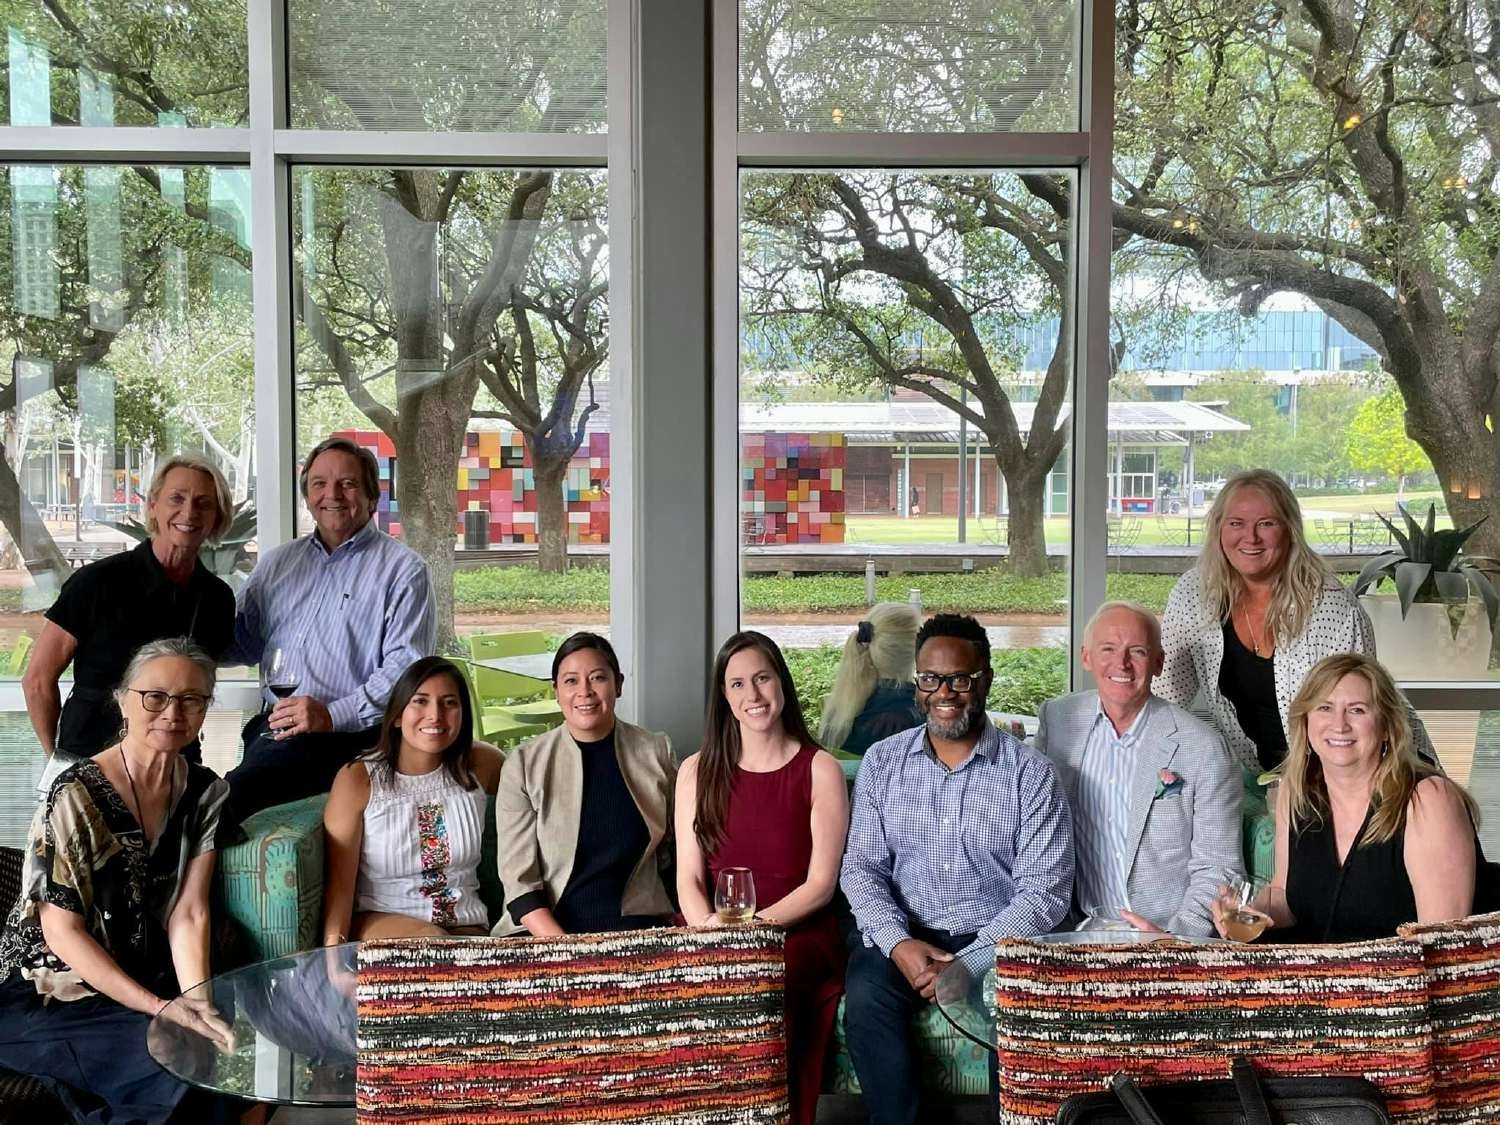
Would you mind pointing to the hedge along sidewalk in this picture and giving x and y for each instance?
(522, 589)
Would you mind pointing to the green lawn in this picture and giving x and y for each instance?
(520, 589)
(1145, 530)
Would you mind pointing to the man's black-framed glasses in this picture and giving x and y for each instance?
(959, 681)
(191, 702)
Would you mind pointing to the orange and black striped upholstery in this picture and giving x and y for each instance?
(1463, 1002)
(669, 1026)
(1070, 1016)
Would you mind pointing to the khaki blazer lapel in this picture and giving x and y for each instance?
(565, 800)
(1154, 753)
(642, 778)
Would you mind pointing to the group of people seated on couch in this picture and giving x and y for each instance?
(1124, 812)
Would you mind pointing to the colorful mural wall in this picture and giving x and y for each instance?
(792, 487)
(495, 476)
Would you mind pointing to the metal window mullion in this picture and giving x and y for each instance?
(335, 146)
(64, 144)
(724, 232)
(908, 150)
(1091, 372)
(271, 266)
(625, 491)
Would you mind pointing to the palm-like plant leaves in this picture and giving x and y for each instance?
(1429, 567)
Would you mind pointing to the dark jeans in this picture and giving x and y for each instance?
(273, 772)
(91, 1054)
(878, 1008)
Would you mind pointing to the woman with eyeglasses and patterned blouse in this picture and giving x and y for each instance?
(113, 917)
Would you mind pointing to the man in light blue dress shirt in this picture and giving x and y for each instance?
(1155, 792)
(959, 835)
(352, 608)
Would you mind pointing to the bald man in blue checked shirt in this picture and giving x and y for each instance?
(960, 835)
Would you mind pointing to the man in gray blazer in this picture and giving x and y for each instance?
(1155, 792)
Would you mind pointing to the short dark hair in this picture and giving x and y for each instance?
(958, 625)
(584, 639)
(369, 468)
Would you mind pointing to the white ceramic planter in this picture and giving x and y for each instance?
(1422, 646)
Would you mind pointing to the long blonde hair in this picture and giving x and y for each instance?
(888, 652)
(1396, 777)
(1303, 577)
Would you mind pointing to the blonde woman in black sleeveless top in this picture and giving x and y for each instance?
(1369, 836)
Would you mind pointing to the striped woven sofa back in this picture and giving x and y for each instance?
(681, 1027)
(1463, 1002)
(1068, 1017)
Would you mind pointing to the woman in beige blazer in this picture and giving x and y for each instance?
(582, 811)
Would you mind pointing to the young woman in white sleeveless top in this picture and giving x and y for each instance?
(405, 821)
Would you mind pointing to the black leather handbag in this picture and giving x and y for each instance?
(1243, 1099)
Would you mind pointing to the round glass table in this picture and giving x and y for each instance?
(969, 1004)
(279, 1031)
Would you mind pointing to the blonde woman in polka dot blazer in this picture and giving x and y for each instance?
(1246, 625)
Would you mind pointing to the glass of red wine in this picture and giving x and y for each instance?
(277, 672)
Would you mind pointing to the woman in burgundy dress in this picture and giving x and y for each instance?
(761, 794)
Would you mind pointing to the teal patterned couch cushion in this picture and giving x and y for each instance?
(1259, 829)
(950, 1063)
(271, 884)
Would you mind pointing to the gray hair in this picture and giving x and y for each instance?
(185, 647)
(1153, 626)
(199, 464)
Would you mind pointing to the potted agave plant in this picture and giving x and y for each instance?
(1433, 627)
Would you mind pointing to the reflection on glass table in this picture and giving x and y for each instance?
(279, 1031)
(537, 665)
(969, 1004)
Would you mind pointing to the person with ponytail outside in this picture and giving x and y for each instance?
(874, 692)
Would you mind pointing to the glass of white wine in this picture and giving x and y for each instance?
(1243, 919)
(734, 896)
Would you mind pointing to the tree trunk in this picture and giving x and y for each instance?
(432, 408)
(32, 539)
(1028, 531)
(551, 513)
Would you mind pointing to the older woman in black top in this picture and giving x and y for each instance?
(112, 607)
(1369, 836)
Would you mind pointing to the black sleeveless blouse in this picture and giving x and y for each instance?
(1366, 898)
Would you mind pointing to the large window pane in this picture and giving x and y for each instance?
(920, 66)
(906, 376)
(1305, 263)
(127, 335)
(517, 66)
(90, 62)
(456, 322)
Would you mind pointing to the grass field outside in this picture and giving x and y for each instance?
(1319, 512)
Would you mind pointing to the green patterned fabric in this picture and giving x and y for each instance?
(270, 885)
(1259, 829)
(951, 1064)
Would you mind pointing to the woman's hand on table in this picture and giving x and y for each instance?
(198, 1015)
